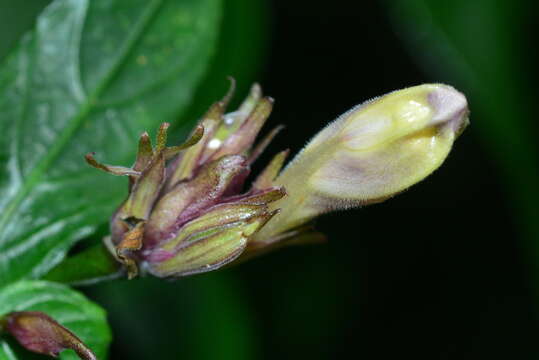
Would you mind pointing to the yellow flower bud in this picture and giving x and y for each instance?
(189, 211)
(370, 153)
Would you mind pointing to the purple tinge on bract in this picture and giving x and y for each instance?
(186, 211)
(451, 108)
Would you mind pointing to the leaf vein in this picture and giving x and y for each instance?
(76, 122)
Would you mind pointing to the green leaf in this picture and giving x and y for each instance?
(90, 77)
(68, 307)
(16, 18)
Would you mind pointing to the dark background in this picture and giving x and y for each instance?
(437, 272)
(446, 270)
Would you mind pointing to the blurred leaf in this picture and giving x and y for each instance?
(91, 76)
(480, 47)
(241, 52)
(69, 308)
(223, 319)
(200, 317)
(17, 17)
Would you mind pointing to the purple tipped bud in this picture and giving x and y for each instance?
(370, 153)
(41, 334)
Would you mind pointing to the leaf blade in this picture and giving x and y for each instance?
(66, 117)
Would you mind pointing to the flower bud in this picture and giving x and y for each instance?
(188, 210)
(370, 153)
(41, 334)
